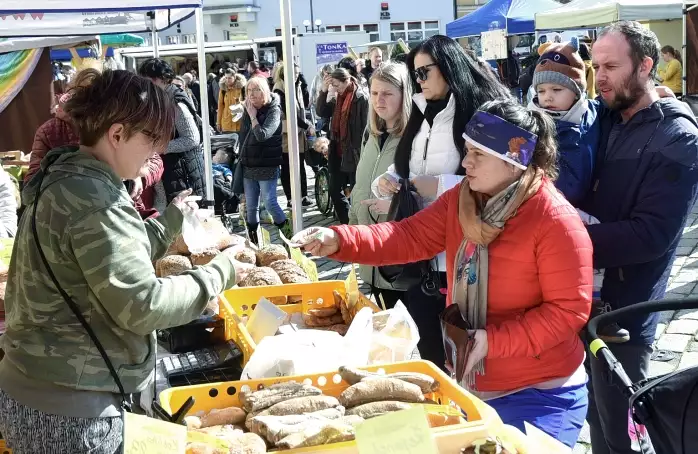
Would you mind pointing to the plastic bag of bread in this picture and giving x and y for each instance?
(395, 336)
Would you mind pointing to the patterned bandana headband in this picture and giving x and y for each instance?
(500, 138)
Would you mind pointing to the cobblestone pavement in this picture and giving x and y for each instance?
(677, 331)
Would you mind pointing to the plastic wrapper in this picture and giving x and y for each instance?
(194, 234)
(394, 337)
(310, 351)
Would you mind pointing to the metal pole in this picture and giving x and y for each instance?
(208, 164)
(292, 126)
(154, 38)
(312, 18)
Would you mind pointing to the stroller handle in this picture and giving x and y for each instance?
(598, 347)
(646, 308)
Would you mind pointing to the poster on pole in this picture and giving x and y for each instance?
(494, 44)
(328, 53)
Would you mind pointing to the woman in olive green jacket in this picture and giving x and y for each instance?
(388, 112)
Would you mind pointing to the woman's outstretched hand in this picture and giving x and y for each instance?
(317, 241)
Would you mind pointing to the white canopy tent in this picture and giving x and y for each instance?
(87, 22)
(164, 8)
(596, 13)
(13, 45)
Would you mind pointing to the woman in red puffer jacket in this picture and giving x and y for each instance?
(519, 270)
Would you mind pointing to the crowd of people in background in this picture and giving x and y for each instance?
(533, 210)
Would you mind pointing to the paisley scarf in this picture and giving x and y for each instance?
(482, 220)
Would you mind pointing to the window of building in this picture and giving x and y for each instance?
(278, 31)
(431, 28)
(205, 37)
(352, 28)
(414, 31)
(189, 39)
(397, 31)
(372, 30)
(333, 28)
(173, 39)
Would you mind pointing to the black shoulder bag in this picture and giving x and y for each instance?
(125, 405)
(402, 277)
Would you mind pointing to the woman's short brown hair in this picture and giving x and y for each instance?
(121, 97)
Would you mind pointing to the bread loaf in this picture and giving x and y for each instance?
(270, 254)
(203, 257)
(264, 276)
(172, 265)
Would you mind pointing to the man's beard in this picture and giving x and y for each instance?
(629, 95)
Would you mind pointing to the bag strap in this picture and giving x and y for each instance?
(73, 307)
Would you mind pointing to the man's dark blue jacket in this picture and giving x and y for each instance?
(644, 187)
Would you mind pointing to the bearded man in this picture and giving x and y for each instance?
(644, 187)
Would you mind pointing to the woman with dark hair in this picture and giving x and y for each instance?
(450, 88)
(184, 158)
(83, 301)
(349, 112)
(519, 270)
(671, 75)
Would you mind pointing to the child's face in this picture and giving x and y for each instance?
(555, 97)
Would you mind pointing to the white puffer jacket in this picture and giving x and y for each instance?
(433, 153)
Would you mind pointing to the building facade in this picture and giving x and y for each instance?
(229, 20)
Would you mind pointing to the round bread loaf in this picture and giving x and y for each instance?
(289, 272)
(246, 255)
(270, 254)
(203, 257)
(172, 265)
(262, 276)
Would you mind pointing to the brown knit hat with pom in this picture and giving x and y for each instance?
(561, 64)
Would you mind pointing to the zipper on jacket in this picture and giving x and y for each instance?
(424, 156)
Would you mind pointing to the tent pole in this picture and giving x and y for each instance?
(154, 39)
(292, 126)
(208, 165)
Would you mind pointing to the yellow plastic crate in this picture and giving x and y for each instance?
(4, 449)
(236, 303)
(482, 419)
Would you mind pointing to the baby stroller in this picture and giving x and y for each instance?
(225, 156)
(667, 405)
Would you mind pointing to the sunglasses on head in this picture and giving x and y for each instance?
(422, 72)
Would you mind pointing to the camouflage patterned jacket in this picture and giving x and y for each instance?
(101, 253)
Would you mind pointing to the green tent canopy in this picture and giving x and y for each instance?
(121, 40)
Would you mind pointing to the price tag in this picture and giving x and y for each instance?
(304, 262)
(352, 284)
(265, 237)
(143, 435)
(401, 432)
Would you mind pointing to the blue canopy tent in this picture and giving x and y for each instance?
(514, 16)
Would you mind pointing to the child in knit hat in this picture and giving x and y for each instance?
(559, 82)
(560, 87)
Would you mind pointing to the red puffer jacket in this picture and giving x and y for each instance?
(540, 280)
